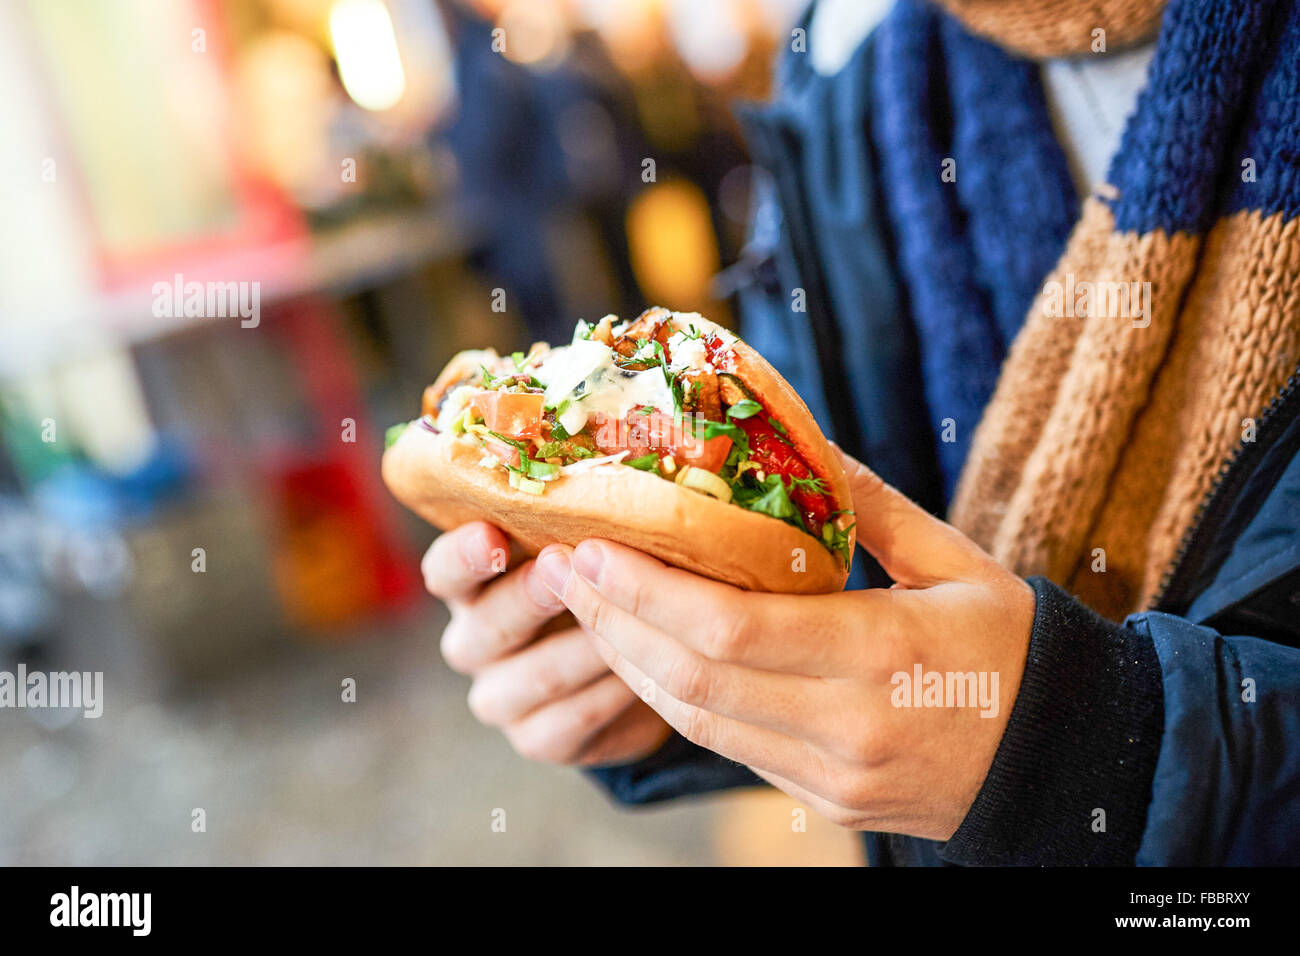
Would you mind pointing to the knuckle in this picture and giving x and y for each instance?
(482, 703)
(543, 747)
(728, 634)
(454, 646)
(600, 616)
(868, 749)
(586, 720)
(696, 728)
(548, 683)
(851, 791)
(690, 680)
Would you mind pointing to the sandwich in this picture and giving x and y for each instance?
(666, 433)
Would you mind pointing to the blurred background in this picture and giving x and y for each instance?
(189, 496)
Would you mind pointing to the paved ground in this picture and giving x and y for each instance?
(287, 773)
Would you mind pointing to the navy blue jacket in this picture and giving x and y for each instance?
(1183, 723)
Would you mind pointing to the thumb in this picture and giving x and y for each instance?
(915, 548)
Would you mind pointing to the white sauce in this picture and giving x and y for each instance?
(585, 374)
(687, 353)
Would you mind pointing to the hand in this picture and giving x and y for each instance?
(808, 690)
(536, 676)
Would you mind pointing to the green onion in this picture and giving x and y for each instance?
(540, 469)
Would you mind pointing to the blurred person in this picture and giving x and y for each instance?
(1122, 549)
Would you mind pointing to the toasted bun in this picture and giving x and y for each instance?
(438, 476)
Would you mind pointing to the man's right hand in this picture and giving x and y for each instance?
(536, 675)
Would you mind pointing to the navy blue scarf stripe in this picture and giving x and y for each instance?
(960, 351)
(1272, 141)
(971, 252)
(1020, 199)
(1188, 114)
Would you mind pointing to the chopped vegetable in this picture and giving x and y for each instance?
(705, 482)
(512, 414)
(393, 433)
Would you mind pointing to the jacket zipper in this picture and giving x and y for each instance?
(1221, 495)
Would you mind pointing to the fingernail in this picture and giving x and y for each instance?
(553, 569)
(474, 550)
(587, 560)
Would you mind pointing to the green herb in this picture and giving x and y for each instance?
(813, 486)
(780, 432)
(745, 408)
(769, 497)
(559, 432)
(837, 539)
(645, 462)
(673, 382)
(393, 433)
(555, 449)
(582, 330)
(522, 446)
(706, 429)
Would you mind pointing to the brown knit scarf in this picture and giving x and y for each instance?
(1102, 438)
(1040, 29)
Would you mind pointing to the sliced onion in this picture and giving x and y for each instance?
(705, 482)
(588, 463)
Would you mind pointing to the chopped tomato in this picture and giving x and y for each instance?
(513, 414)
(777, 456)
(641, 433)
(504, 451)
(706, 453)
(713, 345)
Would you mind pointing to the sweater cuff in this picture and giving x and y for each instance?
(1070, 783)
(677, 769)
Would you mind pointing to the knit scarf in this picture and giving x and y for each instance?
(1171, 318)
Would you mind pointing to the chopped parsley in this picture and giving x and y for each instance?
(813, 486)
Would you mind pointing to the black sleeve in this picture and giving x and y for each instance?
(1083, 737)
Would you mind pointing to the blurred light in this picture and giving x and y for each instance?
(671, 239)
(535, 31)
(709, 36)
(366, 50)
(631, 29)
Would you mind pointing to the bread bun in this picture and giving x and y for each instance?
(438, 476)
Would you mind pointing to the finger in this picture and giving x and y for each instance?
(560, 731)
(549, 670)
(819, 805)
(791, 704)
(757, 747)
(459, 561)
(915, 548)
(634, 735)
(500, 619)
(767, 631)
